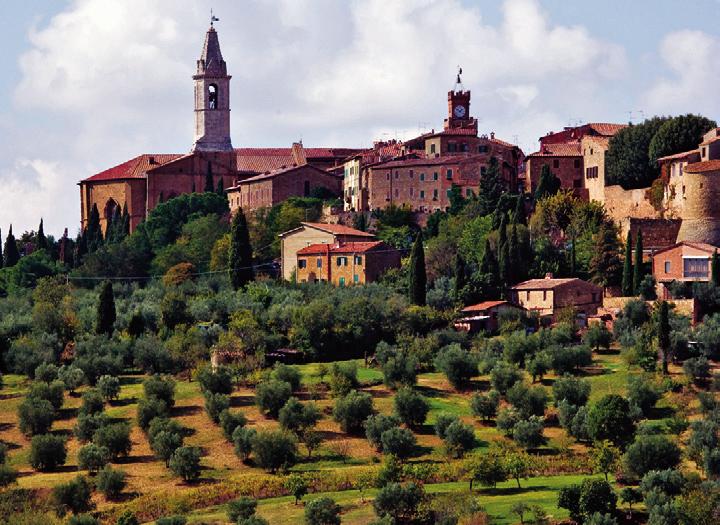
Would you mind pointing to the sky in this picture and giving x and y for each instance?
(88, 84)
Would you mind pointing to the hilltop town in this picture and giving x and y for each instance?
(439, 330)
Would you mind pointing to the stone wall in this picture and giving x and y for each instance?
(568, 169)
(621, 204)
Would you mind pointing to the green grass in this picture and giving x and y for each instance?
(309, 372)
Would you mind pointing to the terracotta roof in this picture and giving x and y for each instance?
(275, 173)
(563, 149)
(703, 167)
(484, 306)
(548, 284)
(605, 128)
(708, 248)
(260, 160)
(134, 168)
(456, 131)
(433, 161)
(336, 229)
(503, 143)
(348, 247)
(677, 156)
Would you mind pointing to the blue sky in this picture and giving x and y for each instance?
(87, 84)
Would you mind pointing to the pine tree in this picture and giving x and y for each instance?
(460, 280)
(715, 269)
(519, 216)
(418, 277)
(240, 255)
(209, 188)
(42, 243)
(605, 264)
(220, 190)
(664, 335)
(491, 188)
(548, 184)
(106, 310)
(638, 272)
(627, 275)
(11, 256)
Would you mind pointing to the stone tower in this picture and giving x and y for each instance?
(212, 98)
(701, 210)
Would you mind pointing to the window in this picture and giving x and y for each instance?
(577, 163)
(341, 282)
(591, 173)
(422, 177)
(435, 195)
(397, 192)
(411, 174)
(695, 267)
(212, 96)
(342, 261)
(388, 176)
(556, 163)
(432, 148)
(358, 260)
(318, 262)
(448, 174)
(452, 147)
(302, 263)
(435, 176)
(464, 147)
(356, 278)
(544, 295)
(422, 194)
(667, 266)
(468, 192)
(306, 188)
(397, 174)
(412, 192)
(482, 149)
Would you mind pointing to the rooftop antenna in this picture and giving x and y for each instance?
(515, 139)
(213, 18)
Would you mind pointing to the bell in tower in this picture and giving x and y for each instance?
(212, 98)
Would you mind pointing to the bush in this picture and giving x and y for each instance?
(115, 438)
(229, 421)
(569, 359)
(411, 407)
(83, 519)
(219, 381)
(46, 372)
(185, 462)
(400, 369)
(503, 376)
(270, 396)
(610, 419)
(528, 401)
(399, 442)
(254, 520)
(73, 496)
(697, 368)
(506, 420)
(109, 387)
(93, 458)
(72, 377)
(35, 416)
(602, 519)
(288, 374)
(172, 520)
(485, 405)
(375, 425)
(161, 388)
(459, 438)
(111, 482)
(86, 426)
(398, 501)
(642, 394)
(8, 475)
(164, 443)
(297, 486)
(274, 449)
(47, 452)
(241, 509)
(670, 482)
(322, 511)
(242, 439)
(298, 417)
(529, 433)
(442, 422)
(215, 404)
(53, 392)
(152, 357)
(572, 389)
(352, 410)
(92, 403)
(149, 409)
(457, 365)
(651, 453)
(597, 496)
(127, 518)
(343, 378)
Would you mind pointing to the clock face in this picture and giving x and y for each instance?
(459, 111)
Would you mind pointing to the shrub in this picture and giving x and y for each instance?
(288, 374)
(92, 403)
(109, 387)
(343, 378)
(46, 372)
(642, 394)
(400, 369)
(8, 475)
(270, 396)
(219, 381)
(503, 376)
(485, 405)
(161, 388)
(411, 407)
(172, 520)
(73, 496)
(602, 519)
(35, 416)
(241, 509)
(87, 425)
(242, 439)
(152, 357)
(297, 486)
(457, 365)
(322, 511)
(149, 409)
(569, 359)
(529, 433)
(648, 453)
(185, 462)
(127, 518)
(442, 422)
(47, 452)
(298, 417)
(229, 421)
(375, 425)
(352, 410)
(83, 519)
(215, 404)
(399, 442)
(697, 368)
(670, 482)
(72, 377)
(274, 449)
(506, 420)
(53, 392)
(115, 438)
(93, 458)
(610, 419)
(459, 438)
(254, 520)
(574, 390)
(528, 401)
(110, 482)
(164, 443)
(597, 496)
(398, 501)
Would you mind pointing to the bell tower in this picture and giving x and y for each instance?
(459, 107)
(212, 97)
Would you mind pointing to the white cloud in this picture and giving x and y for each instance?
(106, 80)
(691, 56)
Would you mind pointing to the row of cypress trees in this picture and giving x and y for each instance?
(633, 271)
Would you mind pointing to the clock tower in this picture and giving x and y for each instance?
(459, 107)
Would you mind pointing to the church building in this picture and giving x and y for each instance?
(143, 182)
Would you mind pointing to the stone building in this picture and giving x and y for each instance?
(483, 316)
(547, 297)
(683, 262)
(356, 169)
(144, 181)
(345, 263)
(309, 233)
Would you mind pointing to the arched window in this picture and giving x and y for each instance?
(110, 207)
(212, 96)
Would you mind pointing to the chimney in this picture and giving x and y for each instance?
(492, 134)
(151, 160)
(549, 275)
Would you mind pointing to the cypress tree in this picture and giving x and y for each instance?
(605, 264)
(2, 263)
(489, 264)
(627, 275)
(93, 232)
(209, 188)
(459, 276)
(42, 243)
(106, 310)
(80, 248)
(519, 216)
(418, 277)
(491, 188)
(11, 256)
(514, 261)
(220, 190)
(548, 184)
(125, 231)
(715, 269)
(240, 255)
(664, 335)
(360, 222)
(638, 272)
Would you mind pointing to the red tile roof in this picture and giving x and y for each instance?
(703, 167)
(134, 168)
(433, 161)
(348, 247)
(677, 156)
(281, 171)
(456, 131)
(562, 149)
(549, 284)
(260, 160)
(702, 246)
(605, 128)
(337, 229)
(483, 306)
